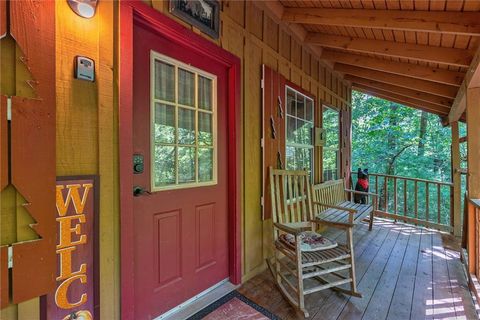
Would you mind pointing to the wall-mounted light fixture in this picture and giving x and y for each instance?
(84, 8)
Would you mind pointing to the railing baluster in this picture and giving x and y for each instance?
(427, 195)
(416, 199)
(395, 196)
(386, 193)
(452, 218)
(438, 204)
(376, 184)
(405, 203)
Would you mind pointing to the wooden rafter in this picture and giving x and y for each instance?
(417, 104)
(406, 69)
(463, 23)
(401, 81)
(423, 96)
(449, 56)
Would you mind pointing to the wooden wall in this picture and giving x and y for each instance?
(86, 137)
(254, 36)
(87, 122)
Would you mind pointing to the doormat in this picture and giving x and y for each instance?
(233, 306)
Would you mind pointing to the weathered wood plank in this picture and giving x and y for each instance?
(425, 53)
(334, 305)
(401, 302)
(442, 303)
(378, 306)
(33, 136)
(462, 297)
(3, 19)
(417, 71)
(356, 306)
(406, 92)
(423, 291)
(441, 22)
(3, 143)
(397, 80)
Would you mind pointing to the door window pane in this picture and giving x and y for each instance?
(164, 126)
(204, 93)
(186, 126)
(164, 165)
(205, 164)
(183, 126)
(205, 134)
(186, 164)
(164, 81)
(186, 87)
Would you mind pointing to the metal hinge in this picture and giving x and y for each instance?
(9, 108)
(10, 257)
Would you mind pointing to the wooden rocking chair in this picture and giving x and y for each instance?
(294, 268)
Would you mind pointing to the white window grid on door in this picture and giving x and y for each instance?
(155, 56)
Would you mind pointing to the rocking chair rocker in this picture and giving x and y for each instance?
(300, 254)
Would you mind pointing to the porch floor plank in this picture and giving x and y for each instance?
(403, 272)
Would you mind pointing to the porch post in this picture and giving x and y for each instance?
(473, 144)
(473, 177)
(457, 181)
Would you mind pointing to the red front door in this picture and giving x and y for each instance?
(180, 212)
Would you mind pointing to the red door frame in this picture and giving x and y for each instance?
(138, 12)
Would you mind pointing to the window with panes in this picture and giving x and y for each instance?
(183, 113)
(331, 148)
(299, 128)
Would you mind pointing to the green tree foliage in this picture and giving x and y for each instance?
(390, 138)
(386, 138)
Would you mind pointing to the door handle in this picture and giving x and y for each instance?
(139, 191)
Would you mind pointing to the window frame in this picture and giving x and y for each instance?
(155, 56)
(338, 150)
(296, 145)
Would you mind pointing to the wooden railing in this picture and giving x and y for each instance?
(422, 202)
(471, 243)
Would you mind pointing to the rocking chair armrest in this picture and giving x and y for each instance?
(361, 192)
(334, 207)
(292, 230)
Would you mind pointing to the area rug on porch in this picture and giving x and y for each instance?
(233, 306)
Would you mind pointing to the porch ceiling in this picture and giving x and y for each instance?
(409, 51)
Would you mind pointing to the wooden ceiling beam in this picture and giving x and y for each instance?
(415, 94)
(462, 23)
(413, 103)
(405, 69)
(448, 56)
(472, 80)
(401, 81)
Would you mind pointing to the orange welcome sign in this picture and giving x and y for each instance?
(75, 293)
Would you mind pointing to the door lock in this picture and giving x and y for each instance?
(138, 163)
(138, 191)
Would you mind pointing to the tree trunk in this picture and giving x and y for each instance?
(422, 134)
(391, 151)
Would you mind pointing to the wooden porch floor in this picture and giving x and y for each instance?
(403, 272)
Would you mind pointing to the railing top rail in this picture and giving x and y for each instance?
(450, 184)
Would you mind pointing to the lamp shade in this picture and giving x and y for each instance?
(84, 8)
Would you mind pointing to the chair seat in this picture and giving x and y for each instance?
(340, 216)
(311, 258)
(310, 241)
